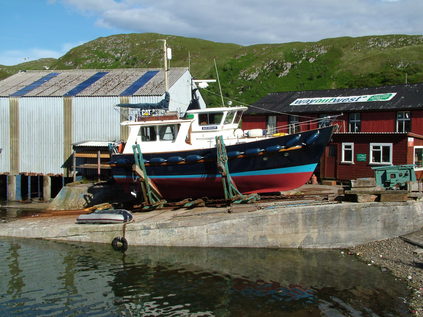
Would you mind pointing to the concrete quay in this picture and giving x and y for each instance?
(265, 225)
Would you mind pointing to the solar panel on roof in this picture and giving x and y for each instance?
(85, 84)
(35, 84)
(139, 83)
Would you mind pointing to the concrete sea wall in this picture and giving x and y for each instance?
(324, 226)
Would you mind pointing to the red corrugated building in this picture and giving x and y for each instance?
(376, 126)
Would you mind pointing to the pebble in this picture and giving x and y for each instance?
(399, 259)
(418, 251)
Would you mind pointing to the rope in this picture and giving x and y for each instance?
(248, 105)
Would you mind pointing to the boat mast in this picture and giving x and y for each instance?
(218, 82)
(166, 56)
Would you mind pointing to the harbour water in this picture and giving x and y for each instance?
(46, 278)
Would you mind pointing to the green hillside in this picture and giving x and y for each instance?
(43, 63)
(249, 72)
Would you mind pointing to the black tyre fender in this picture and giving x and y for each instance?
(120, 244)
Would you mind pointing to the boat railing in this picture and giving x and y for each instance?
(140, 115)
(300, 126)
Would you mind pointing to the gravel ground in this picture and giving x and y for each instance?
(403, 260)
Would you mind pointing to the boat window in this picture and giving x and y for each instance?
(238, 116)
(148, 134)
(210, 118)
(229, 117)
(168, 132)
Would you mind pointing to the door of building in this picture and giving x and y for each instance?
(328, 168)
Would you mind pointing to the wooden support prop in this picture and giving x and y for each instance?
(153, 199)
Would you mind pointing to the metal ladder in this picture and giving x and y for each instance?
(230, 190)
(153, 199)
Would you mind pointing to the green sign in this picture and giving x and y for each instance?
(361, 157)
(343, 99)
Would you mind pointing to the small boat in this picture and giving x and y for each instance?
(180, 154)
(106, 216)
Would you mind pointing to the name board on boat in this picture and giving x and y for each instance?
(213, 127)
(346, 99)
(136, 114)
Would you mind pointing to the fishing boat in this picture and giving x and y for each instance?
(180, 154)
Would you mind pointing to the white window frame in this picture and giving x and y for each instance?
(344, 145)
(271, 124)
(414, 158)
(354, 122)
(381, 145)
(401, 123)
(293, 124)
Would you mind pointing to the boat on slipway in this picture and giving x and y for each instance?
(181, 157)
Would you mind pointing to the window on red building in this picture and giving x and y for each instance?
(354, 122)
(380, 153)
(347, 153)
(294, 124)
(271, 124)
(324, 120)
(403, 121)
(418, 157)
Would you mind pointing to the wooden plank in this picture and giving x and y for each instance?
(140, 173)
(92, 155)
(392, 197)
(94, 166)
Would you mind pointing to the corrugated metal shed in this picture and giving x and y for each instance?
(74, 83)
(44, 112)
(41, 136)
(100, 121)
(406, 97)
(4, 136)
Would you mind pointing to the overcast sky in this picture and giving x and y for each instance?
(32, 29)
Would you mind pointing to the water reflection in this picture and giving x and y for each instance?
(50, 279)
(11, 214)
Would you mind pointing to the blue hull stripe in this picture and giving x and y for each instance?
(309, 168)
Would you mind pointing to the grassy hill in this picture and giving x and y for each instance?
(249, 72)
(43, 63)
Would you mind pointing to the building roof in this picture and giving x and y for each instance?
(71, 83)
(342, 100)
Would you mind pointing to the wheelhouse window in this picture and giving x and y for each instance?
(354, 122)
(159, 133)
(418, 157)
(238, 116)
(380, 153)
(229, 117)
(293, 124)
(168, 132)
(148, 134)
(348, 153)
(403, 121)
(210, 118)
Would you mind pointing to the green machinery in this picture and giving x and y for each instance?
(395, 176)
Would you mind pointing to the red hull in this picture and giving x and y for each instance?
(175, 189)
